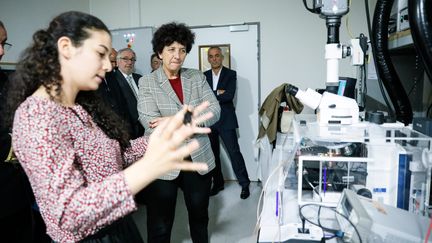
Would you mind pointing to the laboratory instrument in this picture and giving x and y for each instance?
(377, 222)
(331, 108)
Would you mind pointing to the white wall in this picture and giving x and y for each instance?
(24, 17)
(243, 56)
(140, 43)
(292, 39)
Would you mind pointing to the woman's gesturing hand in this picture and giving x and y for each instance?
(166, 149)
(166, 140)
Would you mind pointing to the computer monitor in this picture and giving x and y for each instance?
(347, 87)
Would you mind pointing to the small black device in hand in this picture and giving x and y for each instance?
(187, 120)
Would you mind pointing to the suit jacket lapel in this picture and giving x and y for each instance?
(221, 77)
(135, 78)
(128, 95)
(166, 86)
(127, 90)
(186, 87)
(209, 77)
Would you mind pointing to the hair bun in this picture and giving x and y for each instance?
(42, 36)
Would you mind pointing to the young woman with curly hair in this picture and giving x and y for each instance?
(83, 169)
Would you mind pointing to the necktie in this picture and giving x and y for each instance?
(133, 86)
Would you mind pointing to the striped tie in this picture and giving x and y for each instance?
(132, 85)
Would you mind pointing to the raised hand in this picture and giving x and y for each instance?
(166, 149)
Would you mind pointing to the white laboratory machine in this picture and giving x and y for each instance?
(316, 163)
(372, 221)
(384, 161)
(331, 108)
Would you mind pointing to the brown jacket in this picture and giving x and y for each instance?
(269, 111)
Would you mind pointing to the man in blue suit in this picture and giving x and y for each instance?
(223, 82)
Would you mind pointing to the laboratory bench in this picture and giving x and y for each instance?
(383, 160)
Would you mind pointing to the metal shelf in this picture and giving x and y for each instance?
(400, 39)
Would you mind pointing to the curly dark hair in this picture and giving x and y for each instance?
(39, 65)
(172, 32)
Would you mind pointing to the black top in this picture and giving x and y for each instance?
(5, 139)
(15, 190)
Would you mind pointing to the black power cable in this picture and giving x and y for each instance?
(380, 84)
(428, 110)
(337, 232)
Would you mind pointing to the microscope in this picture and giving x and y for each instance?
(332, 108)
(332, 11)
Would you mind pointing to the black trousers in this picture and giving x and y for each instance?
(16, 196)
(121, 231)
(161, 197)
(17, 227)
(229, 138)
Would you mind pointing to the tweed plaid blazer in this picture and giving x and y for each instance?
(157, 98)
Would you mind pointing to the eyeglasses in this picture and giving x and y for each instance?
(6, 46)
(127, 59)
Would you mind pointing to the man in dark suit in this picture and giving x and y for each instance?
(223, 82)
(111, 93)
(127, 81)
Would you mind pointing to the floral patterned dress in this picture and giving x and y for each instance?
(74, 169)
